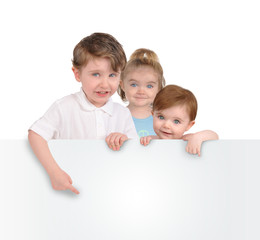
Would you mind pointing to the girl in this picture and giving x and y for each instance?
(141, 80)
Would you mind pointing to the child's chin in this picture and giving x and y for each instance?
(166, 137)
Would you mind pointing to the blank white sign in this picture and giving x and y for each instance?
(153, 192)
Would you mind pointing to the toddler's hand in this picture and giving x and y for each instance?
(60, 180)
(115, 140)
(145, 140)
(194, 143)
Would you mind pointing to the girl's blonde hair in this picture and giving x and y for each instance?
(142, 57)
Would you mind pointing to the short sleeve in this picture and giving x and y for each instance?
(50, 124)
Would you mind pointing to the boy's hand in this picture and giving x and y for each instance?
(60, 180)
(115, 140)
(194, 143)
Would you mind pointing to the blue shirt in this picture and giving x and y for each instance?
(144, 127)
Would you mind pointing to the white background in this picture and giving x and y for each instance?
(209, 47)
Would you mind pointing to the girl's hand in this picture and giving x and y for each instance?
(194, 143)
(145, 140)
(115, 140)
(60, 180)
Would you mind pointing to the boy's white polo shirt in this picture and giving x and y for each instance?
(74, 117)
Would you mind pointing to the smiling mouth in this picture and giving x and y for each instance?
(140, 97)
(166, 133)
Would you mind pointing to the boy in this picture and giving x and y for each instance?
(89, 114)
(174, 112)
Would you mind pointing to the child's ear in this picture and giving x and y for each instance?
(76, 73)
(152, 113)
(190, 125)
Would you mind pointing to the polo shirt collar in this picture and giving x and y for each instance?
(88, 106)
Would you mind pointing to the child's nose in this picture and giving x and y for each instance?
(104, 83)
(167, 124)
(141, 90)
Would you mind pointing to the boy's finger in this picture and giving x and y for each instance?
(70, 180)
(199, 152)
(117, 140)
(108, 140)
(71, 188)
(114, 147)
(112, 140)
(122, 139)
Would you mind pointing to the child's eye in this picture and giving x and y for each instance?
(133, 85)
(96, 74)
(161, 117)
(176, 121)
(112, 75)
(149, 86)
